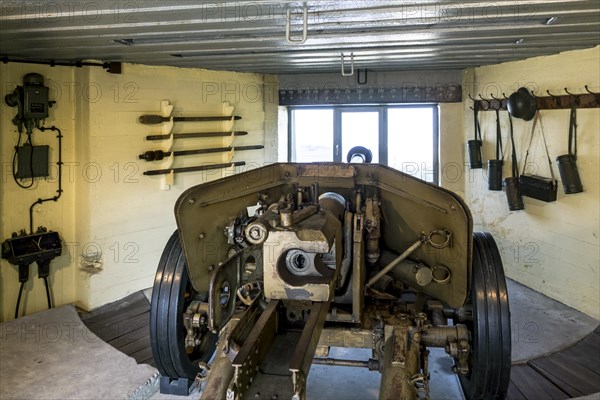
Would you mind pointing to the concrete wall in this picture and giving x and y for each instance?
(15, 202)
(551, 247)
(451, 147)
(108, 204)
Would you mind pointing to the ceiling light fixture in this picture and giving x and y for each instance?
(550, 20)
(126, 42)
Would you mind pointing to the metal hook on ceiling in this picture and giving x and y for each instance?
(343, 58)
(288, 23)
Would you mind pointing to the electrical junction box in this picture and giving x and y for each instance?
(36, 247)
(26, 168)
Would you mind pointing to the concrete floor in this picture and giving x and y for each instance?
(52, 355)
(541, 325)
(51, 366)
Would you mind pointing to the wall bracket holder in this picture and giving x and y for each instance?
(550, 102)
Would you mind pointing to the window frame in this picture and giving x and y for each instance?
(382, 109)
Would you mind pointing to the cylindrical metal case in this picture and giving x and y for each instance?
(474, 147)
(495, 174)
(567, 166)
(513, 194)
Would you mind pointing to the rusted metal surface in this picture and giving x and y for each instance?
(226, 280)
(300, 257)
(406, 205)
(312, 280)
(247, 361)
(401, 363)
(344, 337)
(305, 350)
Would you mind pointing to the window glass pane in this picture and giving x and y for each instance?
(312, 135)
(360, 129)
(410, 141)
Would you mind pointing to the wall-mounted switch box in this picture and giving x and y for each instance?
(39, 166)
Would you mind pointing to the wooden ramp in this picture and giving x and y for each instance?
(573, 372)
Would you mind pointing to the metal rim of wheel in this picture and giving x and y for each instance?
(171, 294)
(490, 362)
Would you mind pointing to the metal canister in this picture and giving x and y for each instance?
(495, 174)
(567, 166)
(513, 194)
(474, 148)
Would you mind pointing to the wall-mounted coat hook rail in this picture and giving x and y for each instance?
(154, 119)
(195, 135)
(194, 168)
(574, 98)
(489, 104)
(550, 102)
(157, 155)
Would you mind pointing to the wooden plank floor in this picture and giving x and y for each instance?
(570, 373)
(566, 374)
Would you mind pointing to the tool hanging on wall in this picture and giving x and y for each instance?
(474, 146)
(535, 186)
(513, 191)
(495, 166)
(157, 155)
(194, 168)
(523, 103)
(567, 163)
(166, 155)
(195, 135)
(154, 119)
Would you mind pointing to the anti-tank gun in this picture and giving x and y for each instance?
(270, 268)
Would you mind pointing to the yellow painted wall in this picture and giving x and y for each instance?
(551, 247)
(451, 147)
(110, 205)
(15, 202)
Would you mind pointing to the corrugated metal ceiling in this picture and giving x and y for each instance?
(251, 36)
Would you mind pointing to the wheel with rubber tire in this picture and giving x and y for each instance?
(490, 359)
(361, 153)
(171, 294)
